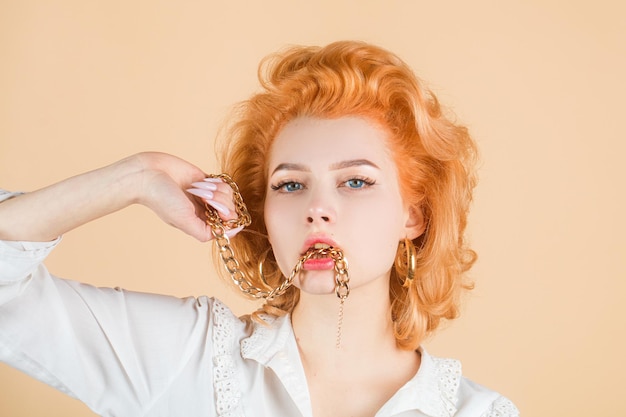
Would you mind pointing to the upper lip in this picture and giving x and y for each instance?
(313, 239)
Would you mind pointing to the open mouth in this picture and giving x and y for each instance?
(317, 251)
(318, 257)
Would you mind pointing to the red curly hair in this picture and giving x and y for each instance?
(435, 158)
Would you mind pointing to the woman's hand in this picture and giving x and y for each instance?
(155, 180)
(177, 190)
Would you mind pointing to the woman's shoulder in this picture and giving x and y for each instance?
(479, 400)
(464, 397)
(250, 334)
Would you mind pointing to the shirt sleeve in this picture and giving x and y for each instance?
(5, 195)
(117, 351)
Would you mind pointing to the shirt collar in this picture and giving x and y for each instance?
(274, 346)
(266, 339)
(433, 390)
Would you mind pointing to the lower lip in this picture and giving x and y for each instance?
(318, 264)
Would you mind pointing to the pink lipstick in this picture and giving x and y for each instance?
(318, 262)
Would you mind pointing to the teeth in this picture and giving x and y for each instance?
(312, 254)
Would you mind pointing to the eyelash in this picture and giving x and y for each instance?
(367, 182)
(281, 186)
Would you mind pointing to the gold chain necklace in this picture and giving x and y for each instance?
(222, 242)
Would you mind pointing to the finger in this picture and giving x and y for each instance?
(213, 179)
(205, 185)
(226, 212)
(223, 194)
(219, 190)
(199, 192)
(219, 185)
(218, 195)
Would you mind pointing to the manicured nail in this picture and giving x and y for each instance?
(213, 180)
(206, 194)
(219, 207)
(233, 232)
(205, 185)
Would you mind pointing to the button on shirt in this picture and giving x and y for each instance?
(134, 354)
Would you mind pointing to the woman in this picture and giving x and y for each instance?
(358, 189)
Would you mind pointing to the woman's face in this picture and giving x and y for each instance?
(334, 182)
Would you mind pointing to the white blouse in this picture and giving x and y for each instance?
(132, 354)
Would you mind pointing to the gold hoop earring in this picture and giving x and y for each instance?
(411, 261)
(260, 267)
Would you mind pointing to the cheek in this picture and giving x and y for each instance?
(271, 221)
(379, 240)
(279, 230)
(382, 215)
(376, 231)
(278, 218)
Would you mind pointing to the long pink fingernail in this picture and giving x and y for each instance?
(219, 207)
(205, 185)
(233, 232)
(213, 180)
(206, 194)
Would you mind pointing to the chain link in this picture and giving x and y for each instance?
(243, 217)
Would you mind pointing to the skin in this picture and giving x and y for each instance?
(151, 179)
(335, 180)
(349, 195)
(366, 222)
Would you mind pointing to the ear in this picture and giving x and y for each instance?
(415, 223)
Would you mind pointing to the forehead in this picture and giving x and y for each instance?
(308, 140)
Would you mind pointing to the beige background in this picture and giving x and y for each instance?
(540, 83)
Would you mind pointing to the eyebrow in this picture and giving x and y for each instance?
(353, 163)
(335, 166)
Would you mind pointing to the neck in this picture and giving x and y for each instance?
(368, 366)
(366, 327)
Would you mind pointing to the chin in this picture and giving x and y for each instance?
(316, 282)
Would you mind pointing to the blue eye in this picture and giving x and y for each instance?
(358, 183)
(355, 183)
(288, 186)
(292, 186)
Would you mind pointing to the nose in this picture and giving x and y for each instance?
(321, 211)
(314, 217)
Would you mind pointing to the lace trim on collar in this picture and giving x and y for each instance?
(225, 371)
(449, 371)
(502, 407)
(266, 339)
(225, 381)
